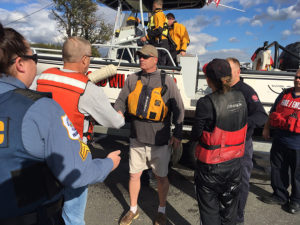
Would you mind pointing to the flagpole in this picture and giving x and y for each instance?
(226, 6)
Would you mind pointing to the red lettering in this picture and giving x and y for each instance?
(113, 81)
(103, 83)
(121, 80)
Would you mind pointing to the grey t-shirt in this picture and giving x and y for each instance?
(156, 133)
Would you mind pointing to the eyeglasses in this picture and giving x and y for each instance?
(144, 56)
(90, 56)
(33, 57)
(297, 77)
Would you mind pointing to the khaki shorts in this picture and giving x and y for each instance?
(142, 156)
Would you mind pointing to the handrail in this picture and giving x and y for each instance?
(136, 47)
(114, 46)
(107, 62)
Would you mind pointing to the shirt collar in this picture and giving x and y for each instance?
(12, 81)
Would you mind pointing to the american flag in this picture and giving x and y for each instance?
(216, 2)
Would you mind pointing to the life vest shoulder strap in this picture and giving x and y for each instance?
(163, 81)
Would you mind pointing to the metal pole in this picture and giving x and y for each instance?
(142, 14)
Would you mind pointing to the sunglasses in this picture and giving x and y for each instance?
(144, 56)
(297, 77)
(33, 57)
(90, 56)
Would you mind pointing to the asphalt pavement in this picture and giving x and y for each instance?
(109, 201)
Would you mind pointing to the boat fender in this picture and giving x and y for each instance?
(102, 73)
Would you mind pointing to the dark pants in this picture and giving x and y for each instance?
(246, 168)
(282, 159)
(173, 53)
(163, 57)
(217, 189)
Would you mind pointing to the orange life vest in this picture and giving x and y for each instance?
(286, 115)
(227, 140)
(66, 89)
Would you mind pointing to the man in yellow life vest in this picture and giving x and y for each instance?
(179, 37)
(153, 102)
(157, 33)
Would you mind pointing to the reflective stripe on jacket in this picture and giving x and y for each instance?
(227, 140)
(158, 22)
(66, 88)
(287, 113)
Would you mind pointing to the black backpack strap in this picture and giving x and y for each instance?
(33, 95)
(139, 74)
(163, 82)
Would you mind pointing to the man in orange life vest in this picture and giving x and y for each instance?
(81, 100)
(221, 146)
(285, 151)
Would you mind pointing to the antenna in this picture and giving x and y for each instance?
(217, 3)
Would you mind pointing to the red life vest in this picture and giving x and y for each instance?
(287, 113)
(227, 140)
(66, 89)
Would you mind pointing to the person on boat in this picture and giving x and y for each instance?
(179, 38)
(157, 33)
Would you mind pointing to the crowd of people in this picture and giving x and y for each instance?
(45, 159)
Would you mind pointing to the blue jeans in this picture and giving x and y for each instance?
(74, 205)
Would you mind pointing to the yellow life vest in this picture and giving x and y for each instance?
(151, 24)
(147, 103)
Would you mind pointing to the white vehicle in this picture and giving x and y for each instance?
(190, 80)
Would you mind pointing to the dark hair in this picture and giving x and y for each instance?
(222, 84)
(170, 15)
(11, 43)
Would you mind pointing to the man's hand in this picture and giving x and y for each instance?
(143, 39)
(266, 133)
(121, 113)
(115, 156)
(266, 130)
(175, 142)
(183, 53)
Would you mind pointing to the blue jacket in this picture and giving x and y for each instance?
(42, 133)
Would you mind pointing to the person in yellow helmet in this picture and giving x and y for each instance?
(157, 33)
(179, 37)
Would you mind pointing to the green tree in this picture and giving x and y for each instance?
(78, 18)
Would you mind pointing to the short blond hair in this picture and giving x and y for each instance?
(75, 48)
(158, 2)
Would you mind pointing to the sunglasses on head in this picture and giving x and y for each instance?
(297, 77)
(33, 57)
(144, 56)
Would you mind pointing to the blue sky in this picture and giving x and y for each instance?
(214, 32)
